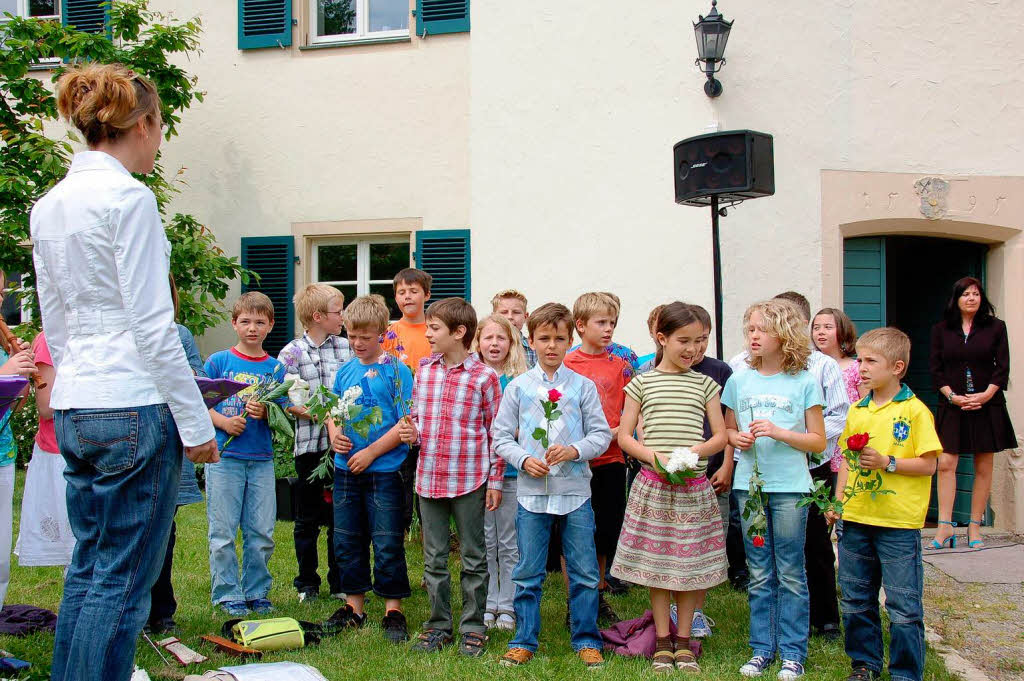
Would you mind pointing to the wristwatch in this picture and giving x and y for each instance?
(891, 468)
(950, 396)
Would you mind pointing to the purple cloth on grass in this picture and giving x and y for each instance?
(637, 638)
(21, 620)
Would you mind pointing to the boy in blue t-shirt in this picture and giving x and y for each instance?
(240, 488)
(368, 488)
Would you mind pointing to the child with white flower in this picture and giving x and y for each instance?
(367, 482)
(672, 539)
(311, 361)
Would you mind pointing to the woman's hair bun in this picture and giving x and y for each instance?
(105, 100)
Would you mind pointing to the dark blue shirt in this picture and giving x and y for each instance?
(719, 372)
(256, 441)
(377, 382)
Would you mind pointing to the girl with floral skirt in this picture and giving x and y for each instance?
(774, 417)
(672, 539)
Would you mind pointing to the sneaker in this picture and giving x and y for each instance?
(164, 626)
(308, 595)
(591, 657)
(515, 657)
(701, 625)
(790, 670)
(489, 618)
(755, 666)
(235, 608)
(862, 673)
(394, 626)
(345, 618)
(431, 641)
(605, 615)
(686, 661)
(505, 622)
(261, 606)
(472, 644)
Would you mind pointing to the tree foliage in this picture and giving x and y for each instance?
(33, 158)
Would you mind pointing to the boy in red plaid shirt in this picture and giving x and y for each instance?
(455, 398)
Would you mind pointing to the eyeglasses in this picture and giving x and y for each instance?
(337, 312)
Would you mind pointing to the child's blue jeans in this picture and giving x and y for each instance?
(534, 533)
(871, 557)
(368, 509)
(779, 601)
(240, 493)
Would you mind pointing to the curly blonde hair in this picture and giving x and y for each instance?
(784, 321)
(515, 360)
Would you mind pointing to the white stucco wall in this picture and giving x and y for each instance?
(574, 111)
(348, 133)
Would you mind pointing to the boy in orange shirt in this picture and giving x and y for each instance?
(595, 316)
(406, 339)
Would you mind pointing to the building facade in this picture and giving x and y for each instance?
(528, 145)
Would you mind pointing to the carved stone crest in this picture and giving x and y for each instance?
(934, 193)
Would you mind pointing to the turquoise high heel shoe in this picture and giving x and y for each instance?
(949, 541)
(977, 543)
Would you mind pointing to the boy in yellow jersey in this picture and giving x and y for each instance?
(881, 542)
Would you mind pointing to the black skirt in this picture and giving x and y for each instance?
(984, 431)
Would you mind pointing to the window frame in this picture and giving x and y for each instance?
(362, 33)
(362, 243)
(21, 10)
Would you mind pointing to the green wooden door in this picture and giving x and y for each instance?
(921, 274)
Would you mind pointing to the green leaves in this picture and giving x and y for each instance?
(150, 43)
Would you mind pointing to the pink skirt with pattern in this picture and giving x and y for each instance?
(672, 537)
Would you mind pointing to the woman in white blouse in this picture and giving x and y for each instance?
(125, 399)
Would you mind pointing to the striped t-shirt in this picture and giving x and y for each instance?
(673, 408)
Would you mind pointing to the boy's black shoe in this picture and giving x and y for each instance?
(830, 632)
(605, 615)
(394, 626)
(164, 626)
(431, 641)
(345, 618)
(740, 582)
(472, 645)
(862, 673)
(616, 587)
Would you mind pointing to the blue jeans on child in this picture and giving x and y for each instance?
(871, 557)
(240, 493)
(369, 507)
(534, 533)
(123, 469)
(778, 596)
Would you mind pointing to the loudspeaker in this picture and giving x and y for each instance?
(734, 165)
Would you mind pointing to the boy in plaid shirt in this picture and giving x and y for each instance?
(315, 357)
(455, 399)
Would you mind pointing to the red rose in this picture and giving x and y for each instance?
(758, 541)
(328, 496)
(857, 442)
(554, 396)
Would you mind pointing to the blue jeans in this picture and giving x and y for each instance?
(368, 508)
(240, 493)
(534, 533)
(778, 596)
(871, 557)
(123, 469)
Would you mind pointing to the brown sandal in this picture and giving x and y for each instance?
(664, 662)
(686, 661)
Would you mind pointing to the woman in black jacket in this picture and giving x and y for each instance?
(970, 367)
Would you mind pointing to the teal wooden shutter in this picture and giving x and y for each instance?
(88, 16)
(441, 16)
(445, 255)
(864, 282)
(273, 259)
(264, 23)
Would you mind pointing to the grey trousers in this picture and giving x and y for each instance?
(502, 550)
(468, 511)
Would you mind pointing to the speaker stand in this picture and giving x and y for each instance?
(716, 250)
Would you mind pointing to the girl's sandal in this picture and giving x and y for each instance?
(686, 661)
(664, 662)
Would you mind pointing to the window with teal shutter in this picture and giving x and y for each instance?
(444, 254)
(864, 282)
(273, 259)
(264, 23)
(88, 16)
(441, 16)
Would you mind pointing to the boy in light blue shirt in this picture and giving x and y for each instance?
(556, 488)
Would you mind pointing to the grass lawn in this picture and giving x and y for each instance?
(365, 655)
